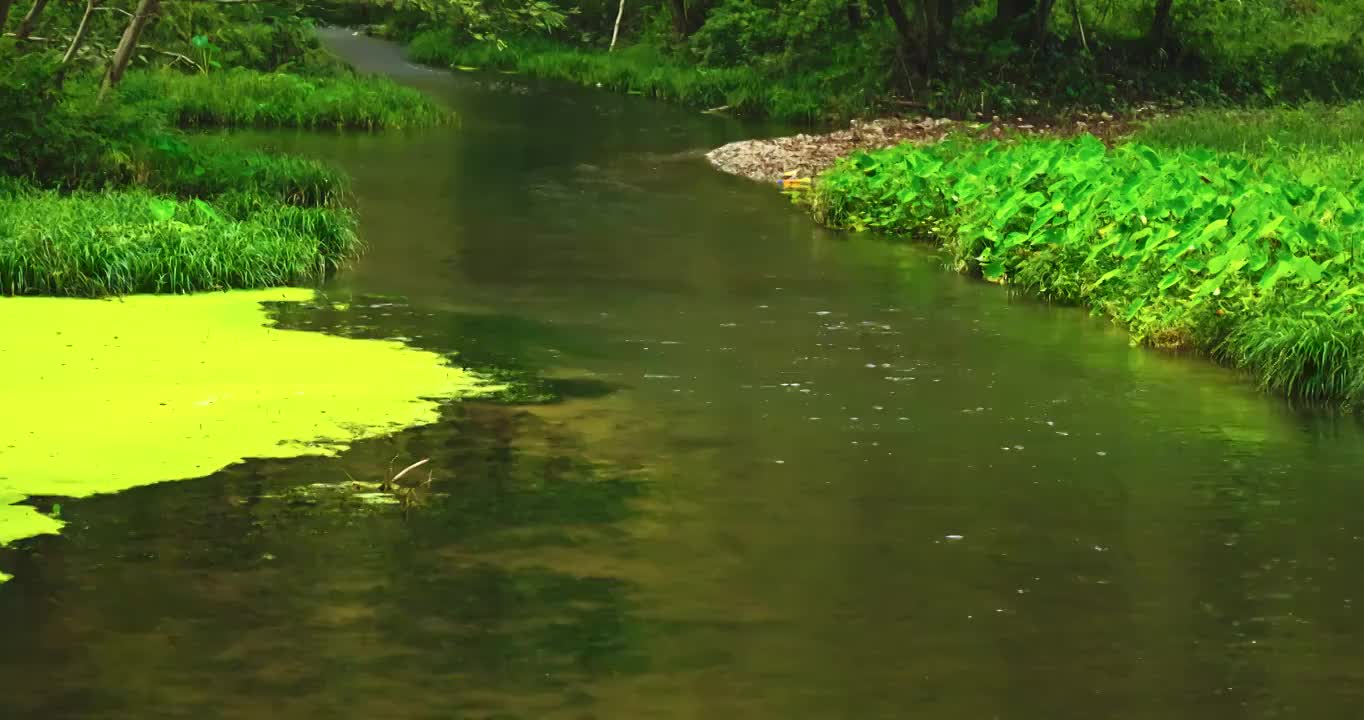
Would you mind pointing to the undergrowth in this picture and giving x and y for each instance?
(644, 70)
(133, 241)
(248, 98)
(1194, 250)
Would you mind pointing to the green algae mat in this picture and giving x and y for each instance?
(104, 395)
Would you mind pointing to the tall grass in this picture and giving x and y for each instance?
(1242, 260)
(247, 98)
(133, 241)
(1318, 142)
(208, 167)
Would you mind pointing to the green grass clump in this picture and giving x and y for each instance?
(248, 98)
(208, 167)
(644, 70)
(133, 241)
(1188, 249)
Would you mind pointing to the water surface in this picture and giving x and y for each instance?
(795, 474)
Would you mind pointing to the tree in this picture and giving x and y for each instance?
(81, 31)
(4, 13)
(144, 12)
(1160, 23)
(1009, 12)
(685, 20)
(30, 20)
(903, 27)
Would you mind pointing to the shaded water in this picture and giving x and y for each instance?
(796, 474)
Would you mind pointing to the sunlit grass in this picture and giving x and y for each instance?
(247, 98)
(1316, 141)
(133, 241)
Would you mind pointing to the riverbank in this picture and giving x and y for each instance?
(806, 155)
(103, 193)
(1246, 258)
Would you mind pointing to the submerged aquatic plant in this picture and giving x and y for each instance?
(397, 487)
(1189, 250)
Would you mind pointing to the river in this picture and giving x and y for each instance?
(794, 474)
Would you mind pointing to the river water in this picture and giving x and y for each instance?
(794, 474)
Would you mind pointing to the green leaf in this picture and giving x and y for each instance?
(1133, 308)
(1213, 227)
(161, 209)
(1276, 273)
(1308, 269)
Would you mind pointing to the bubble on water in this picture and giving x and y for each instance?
(1101, 453)
(1018, 447)
(1063, 433)
(871, 365)
(953, 537)
(821, 313)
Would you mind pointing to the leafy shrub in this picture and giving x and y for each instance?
(61, 136)
(1188, 249)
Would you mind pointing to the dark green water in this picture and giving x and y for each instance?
(797, 474)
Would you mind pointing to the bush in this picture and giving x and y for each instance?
(1187, 249)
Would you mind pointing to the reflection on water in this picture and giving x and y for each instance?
(795, 475)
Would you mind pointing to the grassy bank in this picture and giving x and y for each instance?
(1241, 259)
(133, 241)
(249, 98)
(1319, 143)
(644, 70)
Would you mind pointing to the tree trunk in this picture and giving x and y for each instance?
(854, 14)
(928, 13)
(896, 11)
(124, 54)
(679, 13)
(81, 31)
(1160, 24)
(615, 31)
(1041, 22)
(1009, 12)
(30, 20)
(947, 13)
(4, 13)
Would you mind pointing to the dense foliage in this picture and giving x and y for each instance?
(1189, 249)
(812, 58)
